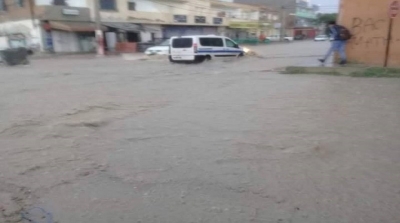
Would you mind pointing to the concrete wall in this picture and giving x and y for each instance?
(368, 20)
(55, 13)
(30, 29)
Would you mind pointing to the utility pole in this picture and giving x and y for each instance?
(99, 32)
(283, 24)
(32, 12)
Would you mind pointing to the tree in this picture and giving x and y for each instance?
(60, 2)
(323, 18)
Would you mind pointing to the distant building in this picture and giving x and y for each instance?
(246, 21)
(306, 14)
(299, 14)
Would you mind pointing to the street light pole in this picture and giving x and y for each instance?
(99, 32)
(283, 25)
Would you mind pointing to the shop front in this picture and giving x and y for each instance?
(67, 30)
(305, 32)
(247, 30)
(69, 37)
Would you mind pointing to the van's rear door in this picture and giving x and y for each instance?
(183, 48)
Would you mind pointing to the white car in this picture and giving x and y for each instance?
(161, 49)
(321, 38)
(274, 38)
(203, 47)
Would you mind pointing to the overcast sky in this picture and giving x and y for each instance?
(327, 5)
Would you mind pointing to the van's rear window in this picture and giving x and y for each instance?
(182, 43)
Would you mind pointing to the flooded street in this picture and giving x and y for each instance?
(110, 140)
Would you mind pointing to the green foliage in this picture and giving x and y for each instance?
(323, 18)
(345, 71)
(377, 72)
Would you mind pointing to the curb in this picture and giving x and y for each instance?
(351, 71)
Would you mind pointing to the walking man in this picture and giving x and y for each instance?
(340, 36)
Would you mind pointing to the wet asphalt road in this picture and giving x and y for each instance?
(109, 140)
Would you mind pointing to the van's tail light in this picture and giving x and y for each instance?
(195, 47)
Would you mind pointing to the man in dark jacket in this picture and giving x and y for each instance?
(338, 43)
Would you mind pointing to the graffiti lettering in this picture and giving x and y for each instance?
(369, 41)
(368, 33)
(360, 26)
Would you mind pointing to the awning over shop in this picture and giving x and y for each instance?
(73, 26)
(245, 25)
(124, 26)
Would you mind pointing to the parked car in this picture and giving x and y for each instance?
(275, 38)
(160, 49)
(321, 38)
(200, 48)
(299, 37)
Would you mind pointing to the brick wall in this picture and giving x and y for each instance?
(368, 21)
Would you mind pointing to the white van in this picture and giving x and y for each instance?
(200, 48)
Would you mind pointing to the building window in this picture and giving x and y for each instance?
(3, 6)
(20, 3)
(132, 6)
(200, 19)
(180, 18)
(108, 5)
(217, 21)
(60, 2)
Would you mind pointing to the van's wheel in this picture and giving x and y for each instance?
(200, 59)
(171, 60)
(208, 57)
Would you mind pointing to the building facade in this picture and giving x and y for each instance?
(368, 21)
(247, 21)
(48, 27)
(64, 25)
(162, 18)
(67, 25)
(296, 16)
